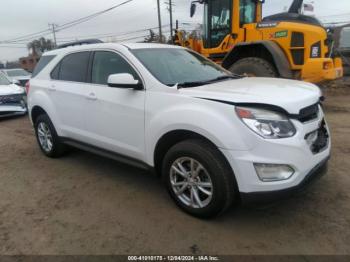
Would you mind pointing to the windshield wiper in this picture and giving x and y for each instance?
(200, 83)
(224, 78)
(191, 84)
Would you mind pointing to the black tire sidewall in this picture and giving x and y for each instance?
(256, 66)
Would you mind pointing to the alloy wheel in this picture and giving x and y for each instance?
(191, 182)
(45, 137)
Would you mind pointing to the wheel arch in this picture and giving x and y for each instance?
(267, 50)
(169, 139)
(35, 112)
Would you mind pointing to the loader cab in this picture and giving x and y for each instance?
(220, 18)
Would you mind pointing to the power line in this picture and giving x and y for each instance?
(64, 26)
(111, 34)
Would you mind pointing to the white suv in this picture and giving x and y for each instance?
(214, 137)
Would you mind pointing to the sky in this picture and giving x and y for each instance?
(23, 17)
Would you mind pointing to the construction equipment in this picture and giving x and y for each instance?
(287, 45)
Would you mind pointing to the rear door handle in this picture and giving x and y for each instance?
(91, 96)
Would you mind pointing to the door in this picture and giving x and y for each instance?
(115, 118)
(69, 92)
(218, 22)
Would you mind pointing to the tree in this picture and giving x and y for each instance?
(153, 37)
(40, 45)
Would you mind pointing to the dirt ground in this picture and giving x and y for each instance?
(85, 204)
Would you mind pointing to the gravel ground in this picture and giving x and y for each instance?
(85, 204)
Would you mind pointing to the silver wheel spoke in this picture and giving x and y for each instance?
(197, 170)
(41, 132)
(183, 170)
(49, 144)
(196, 197)
(192, 198)
(179, 183)
(179, 171)
(181, 190)
(204, 184)
(207, 192)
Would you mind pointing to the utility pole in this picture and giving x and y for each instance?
(170, 9)
(53, 29)
(159, 22)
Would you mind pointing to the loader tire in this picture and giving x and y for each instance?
(253, 67)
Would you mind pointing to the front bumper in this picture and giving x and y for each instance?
(7, 110)
(295, 152)
(272, 196)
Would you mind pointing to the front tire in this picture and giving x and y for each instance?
(198, 178)
(254, 67)
(47, 137)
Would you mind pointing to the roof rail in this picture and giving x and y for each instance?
(82, 42)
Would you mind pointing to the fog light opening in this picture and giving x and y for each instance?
(273, 172)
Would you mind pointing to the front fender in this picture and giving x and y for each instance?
(215, 121)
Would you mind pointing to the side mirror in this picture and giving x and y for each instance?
(193, 9)
(124, 80)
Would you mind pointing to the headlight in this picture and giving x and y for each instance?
(268, 124)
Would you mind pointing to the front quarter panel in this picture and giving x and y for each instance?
(170, 111)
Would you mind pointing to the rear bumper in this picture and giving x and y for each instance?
(273, 196)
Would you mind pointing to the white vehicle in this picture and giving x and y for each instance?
(215, 138)
(12, 98)
(17, 75)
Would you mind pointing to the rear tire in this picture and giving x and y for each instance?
(253, 66)
(195, 169)
(47, 137)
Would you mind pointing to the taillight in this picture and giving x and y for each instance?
(27, 87)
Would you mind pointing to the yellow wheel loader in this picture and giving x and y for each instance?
(287, 45)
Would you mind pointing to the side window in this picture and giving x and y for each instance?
(74, 67)
(107, 63)
(55, 73)
(44, 60)
(220, 21)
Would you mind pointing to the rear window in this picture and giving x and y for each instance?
(74, 67)
(44, 60)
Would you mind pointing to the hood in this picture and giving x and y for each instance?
(11, 89)
(290, 95)
(20, 77)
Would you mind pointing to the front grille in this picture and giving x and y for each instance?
(320, 138)
(11, 100)
(298, 56)
(309, 113)
(297, 39)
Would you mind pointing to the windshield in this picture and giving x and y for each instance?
(173, 66)
(17, 72)
(247, 11)
(4, 80)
